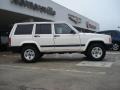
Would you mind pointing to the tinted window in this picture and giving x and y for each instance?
(62, 29)
(79, 29)
(24, 29)
(113, 34)
(108, 33)
(43, 29)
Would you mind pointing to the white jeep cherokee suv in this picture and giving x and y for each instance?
(34, 39)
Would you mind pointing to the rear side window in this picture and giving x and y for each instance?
(43, 29)
(24, 29)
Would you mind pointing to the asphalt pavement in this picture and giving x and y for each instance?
(60, 72)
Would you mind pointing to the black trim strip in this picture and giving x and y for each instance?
(77, 45)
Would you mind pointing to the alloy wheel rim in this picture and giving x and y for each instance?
(97, 52)
(115, 46)
(29, 54)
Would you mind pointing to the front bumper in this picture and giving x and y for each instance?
(108, 46)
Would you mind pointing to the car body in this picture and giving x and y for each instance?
(40, 38)
(115, 34)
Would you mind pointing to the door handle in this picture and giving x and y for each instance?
(56, 35)
(36, 36)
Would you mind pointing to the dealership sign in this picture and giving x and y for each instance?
(88, 25)
(34, 6)
(75, 19)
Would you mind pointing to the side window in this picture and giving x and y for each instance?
(62, 29)
(113, 34)
(43, 29)
(108, 33)
(79, 29)
(24, 29)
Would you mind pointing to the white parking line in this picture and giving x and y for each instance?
(4, 55)
(11, 67)
(77, 71)
(16, 56)
(114, 53)
(95, 64)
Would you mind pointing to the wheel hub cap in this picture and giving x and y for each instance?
(29, 54)
(115, 47)
(97, 52)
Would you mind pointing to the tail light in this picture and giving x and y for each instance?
(9, 42)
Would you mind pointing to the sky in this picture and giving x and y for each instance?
(105, 12)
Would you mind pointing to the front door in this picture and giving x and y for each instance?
(65, 38)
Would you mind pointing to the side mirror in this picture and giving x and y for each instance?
(73, 32)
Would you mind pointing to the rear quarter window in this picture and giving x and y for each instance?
(24, 29)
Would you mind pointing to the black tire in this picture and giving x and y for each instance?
(90, 51)
(116, 47)
(30, 54)
(85, 54)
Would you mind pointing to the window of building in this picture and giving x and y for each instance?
(62, 29)
(43, 29)
(24, 29)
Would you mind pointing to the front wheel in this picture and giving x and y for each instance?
(96, 52)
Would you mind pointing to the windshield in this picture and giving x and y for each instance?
(84, 30)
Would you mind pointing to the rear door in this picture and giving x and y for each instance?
(44, 37)
(65, 38)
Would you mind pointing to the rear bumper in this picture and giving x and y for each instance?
(15, 49)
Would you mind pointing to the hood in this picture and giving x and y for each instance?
(96, 34)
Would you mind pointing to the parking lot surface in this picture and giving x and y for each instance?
(60, 72)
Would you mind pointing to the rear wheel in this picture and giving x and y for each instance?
(96, 52)
(116, 47)
(30, 54)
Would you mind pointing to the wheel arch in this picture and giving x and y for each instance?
(95, 42)
(30, 44)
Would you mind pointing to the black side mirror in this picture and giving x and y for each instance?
(72, 32)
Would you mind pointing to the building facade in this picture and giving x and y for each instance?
(14, 11)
